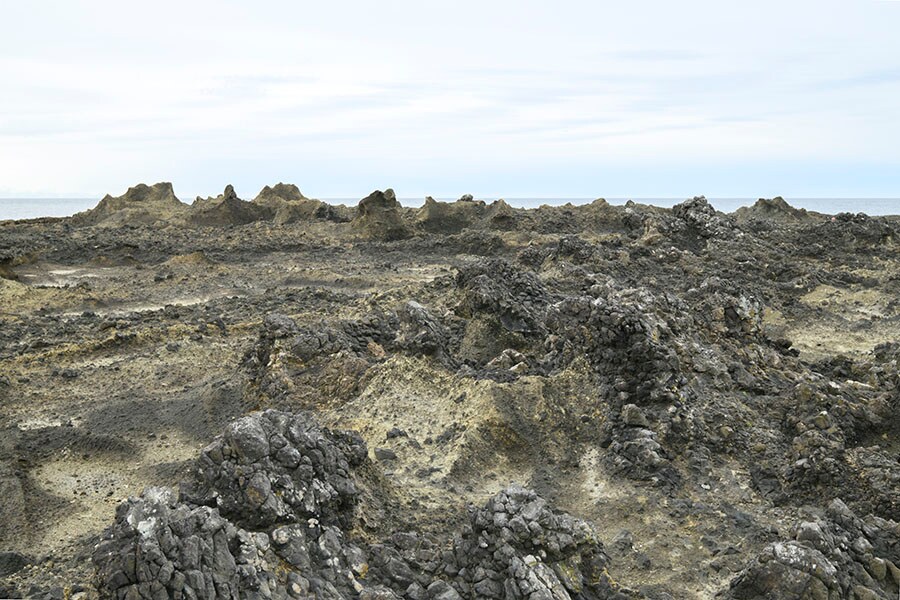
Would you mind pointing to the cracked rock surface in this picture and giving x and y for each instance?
(277, 521)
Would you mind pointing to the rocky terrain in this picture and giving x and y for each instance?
(280, 398)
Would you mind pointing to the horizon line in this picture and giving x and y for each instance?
(536, 197)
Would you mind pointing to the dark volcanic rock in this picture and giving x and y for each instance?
(420, 332)
(284, 491)
(517, 297)
(698, 217)
(702, 381)
(281, 487)
(10, 562)
(334, 355)
(519, 547)
(272, 469)
(836, 555)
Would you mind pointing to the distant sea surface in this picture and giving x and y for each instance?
(31, 208)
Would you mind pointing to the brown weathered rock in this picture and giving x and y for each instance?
(775, 209)
(449, 217)
(141, 204)
(226, 209)
(501, 215)
(379, 217)
(288, 205)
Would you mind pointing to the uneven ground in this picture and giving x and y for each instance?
(701, 389)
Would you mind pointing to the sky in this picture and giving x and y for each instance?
(499, 99)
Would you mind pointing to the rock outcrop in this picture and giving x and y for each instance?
(272, 514)
(833, 555)
(718, 397)
(379, 216)
(776, 209)
(262, 519)
(226, 209)
(449, 217)
(500, 215)
(288, 205)
(140, 205)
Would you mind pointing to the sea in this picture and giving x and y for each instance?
(31, 208)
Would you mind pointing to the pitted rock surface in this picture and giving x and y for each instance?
(699, 215)
(271, 469)
(515, 547)
(379, 217)
(835, 555)
(284, 496)
(515, 296)
(518, 547)
(160, 547)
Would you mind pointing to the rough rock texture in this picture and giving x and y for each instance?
(284, 496)
(287, 205)
(698, 218)
(141, 204)
(766, 210)
(226, 209)
(289, 359)
(449, 217)
(379, 217)
(518, 547)
(512, 295)
(500, 215)
(692, 387)
(834, 555)
(270, 469)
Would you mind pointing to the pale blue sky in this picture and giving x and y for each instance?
(527, 99)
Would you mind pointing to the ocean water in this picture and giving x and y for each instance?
(30, 208)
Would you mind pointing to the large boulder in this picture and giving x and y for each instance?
(265, 518)
(273, 468)
(519, 547)
(698, 217)
(162, 547)
(140, 205)
(379, 216)
(515, 296)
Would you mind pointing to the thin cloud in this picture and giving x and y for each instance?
(521, 93)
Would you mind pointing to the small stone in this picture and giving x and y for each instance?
(395, 432)
(633, 416)
(10, 562)
(385, 454)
